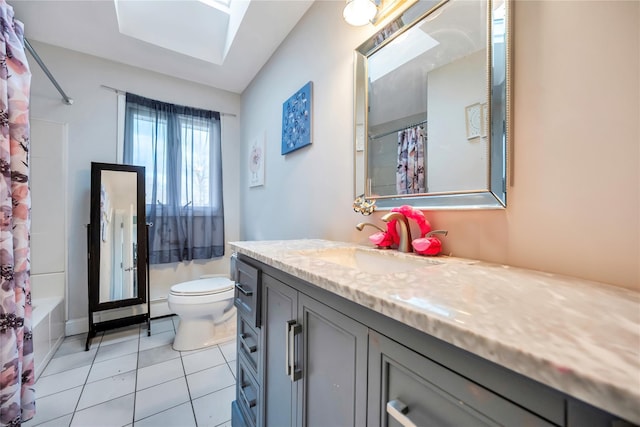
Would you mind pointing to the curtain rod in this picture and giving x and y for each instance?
(123, 92)
(35, 56)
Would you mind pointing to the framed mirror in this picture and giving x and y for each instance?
(117, 243)
(432, 99)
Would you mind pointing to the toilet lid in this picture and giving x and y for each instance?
(207, 286)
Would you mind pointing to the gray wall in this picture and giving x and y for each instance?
(307, 193)
(573, 203)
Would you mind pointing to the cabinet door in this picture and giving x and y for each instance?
(280, 304)
(334, 367)
(406, 388)
(582, 414)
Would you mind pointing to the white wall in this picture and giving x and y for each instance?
(92, 137)
(574, 204)
(455, 163)
(48, 205)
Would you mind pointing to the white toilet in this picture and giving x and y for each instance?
(207, 314)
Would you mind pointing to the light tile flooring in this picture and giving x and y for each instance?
(130, 379)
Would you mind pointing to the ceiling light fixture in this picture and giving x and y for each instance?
(359, 12)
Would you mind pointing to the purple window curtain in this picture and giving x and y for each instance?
(17, 396)
(181, 150)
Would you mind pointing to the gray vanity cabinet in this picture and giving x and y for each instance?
(407, 389)
(315, 361)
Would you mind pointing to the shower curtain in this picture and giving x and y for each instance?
(17, 396)
(410, 173)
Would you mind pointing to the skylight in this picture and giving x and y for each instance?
(202, 29)
(407, 46)
(222, 4)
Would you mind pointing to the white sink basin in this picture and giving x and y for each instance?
(372, 261)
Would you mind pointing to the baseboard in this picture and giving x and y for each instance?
(76, 326)
(159, 308)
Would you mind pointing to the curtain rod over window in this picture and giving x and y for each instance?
(123, 92)
(35, 56)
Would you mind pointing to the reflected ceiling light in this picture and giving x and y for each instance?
(359, 12)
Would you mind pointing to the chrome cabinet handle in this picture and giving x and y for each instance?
(398, 411)
(291, 348)
(241, 288)
(293, 328)
(287, 335)
(247, 347)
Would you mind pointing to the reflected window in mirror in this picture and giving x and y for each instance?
(180, 148)
(431, 97)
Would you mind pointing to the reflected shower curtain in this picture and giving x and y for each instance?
(17, 397)
(410, 173)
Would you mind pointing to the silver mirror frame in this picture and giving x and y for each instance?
(499, 98)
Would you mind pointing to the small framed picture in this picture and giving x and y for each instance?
(256, 162)
(473, 117)
(296, 119)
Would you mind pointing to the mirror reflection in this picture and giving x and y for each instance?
(117, 248)
(118, 236)
(431, 131)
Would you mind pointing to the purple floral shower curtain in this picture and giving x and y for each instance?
(410, 172)
(17, 396)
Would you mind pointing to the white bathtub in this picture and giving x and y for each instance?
(48, 329)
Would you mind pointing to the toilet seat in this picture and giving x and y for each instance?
(202, 287)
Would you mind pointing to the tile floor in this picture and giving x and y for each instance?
(130, 379)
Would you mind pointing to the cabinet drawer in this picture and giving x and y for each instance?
(247, 292)
(249, 343)
(409, 388)
(247, 392)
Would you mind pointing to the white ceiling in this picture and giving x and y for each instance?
(226, 58)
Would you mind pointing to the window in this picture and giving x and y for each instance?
(195, 157)
(180, 149)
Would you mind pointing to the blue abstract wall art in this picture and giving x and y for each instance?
(296, 120)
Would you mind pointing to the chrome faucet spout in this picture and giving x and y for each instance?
(405, 230)
(362, 225)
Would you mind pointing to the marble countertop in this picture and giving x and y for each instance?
(577, 336)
